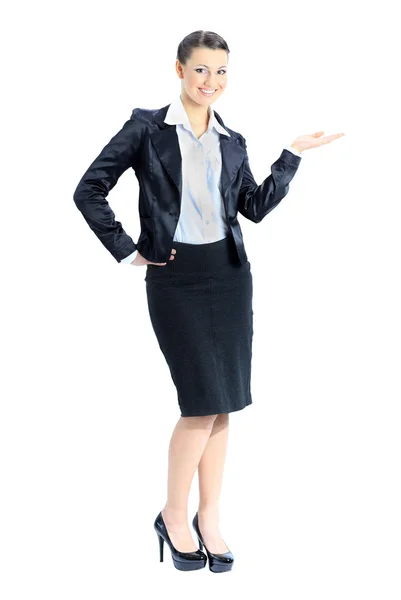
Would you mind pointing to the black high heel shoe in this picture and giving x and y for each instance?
(184, 561)
(218, 563)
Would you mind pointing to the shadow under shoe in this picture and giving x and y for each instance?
(184, 561)
(218, 563)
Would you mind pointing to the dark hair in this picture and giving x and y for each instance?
(199, 39)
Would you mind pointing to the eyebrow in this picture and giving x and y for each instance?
(200, 65)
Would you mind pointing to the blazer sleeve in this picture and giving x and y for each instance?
(256, 201)
(101, 176)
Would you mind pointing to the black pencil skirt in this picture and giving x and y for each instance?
(200, 307)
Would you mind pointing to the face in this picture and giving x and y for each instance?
(205, 70)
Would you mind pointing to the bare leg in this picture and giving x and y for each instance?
(187, 444)
(210, 473)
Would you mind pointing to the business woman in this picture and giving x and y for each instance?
(194, 178)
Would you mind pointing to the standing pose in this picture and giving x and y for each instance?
(194, 178)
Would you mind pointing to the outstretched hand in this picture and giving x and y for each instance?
(305, 142)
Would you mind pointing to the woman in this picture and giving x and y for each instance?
(194, 178)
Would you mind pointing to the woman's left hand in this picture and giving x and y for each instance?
(305, 142)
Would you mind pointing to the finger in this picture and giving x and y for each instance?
(174, 251)
(317, 134)
(330, 138)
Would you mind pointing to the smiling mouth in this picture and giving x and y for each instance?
(207, 92)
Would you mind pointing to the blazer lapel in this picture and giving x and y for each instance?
(232, 157)
(166, 144)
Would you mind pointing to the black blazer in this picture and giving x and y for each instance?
(150, 147)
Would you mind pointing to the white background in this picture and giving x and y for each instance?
(311, 492)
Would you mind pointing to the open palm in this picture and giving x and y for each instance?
(305, 142)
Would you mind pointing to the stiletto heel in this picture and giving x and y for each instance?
(184, 561)
(218, 563)
(161, 544)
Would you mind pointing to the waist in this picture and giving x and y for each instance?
(200, 258)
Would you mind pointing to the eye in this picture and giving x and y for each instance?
(222, 71)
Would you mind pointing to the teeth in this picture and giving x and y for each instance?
(207, 91)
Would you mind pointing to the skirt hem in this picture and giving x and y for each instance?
(220, 412)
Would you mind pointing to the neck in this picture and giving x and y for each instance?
(197, 114)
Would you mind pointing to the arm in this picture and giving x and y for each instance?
(102, 175)
(128, 259)
(256, 201)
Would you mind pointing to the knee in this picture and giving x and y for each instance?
(211, 421)
(221, 418)
(205, 421)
